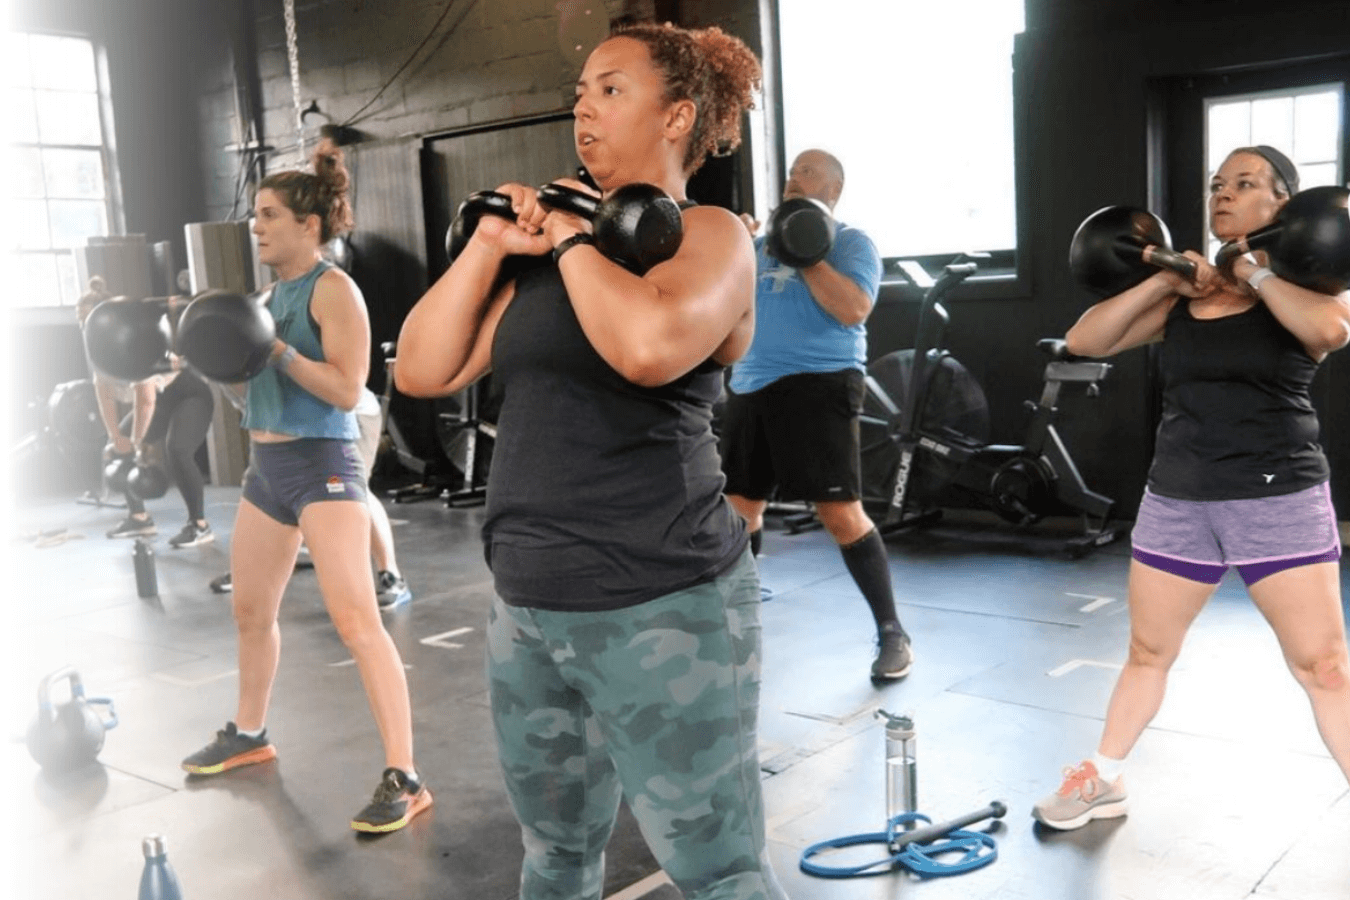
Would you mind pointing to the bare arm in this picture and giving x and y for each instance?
(1320, 321)
(654, 328)
(1136, 316)
(345, 331)
(445, 343)
(106, 394)
(143, 409)
(837, 294)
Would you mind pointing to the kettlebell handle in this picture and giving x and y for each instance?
(109, 720)
(44, 693)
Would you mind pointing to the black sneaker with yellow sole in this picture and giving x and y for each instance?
(230, 750)
(397, 800)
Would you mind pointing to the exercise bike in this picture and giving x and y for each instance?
(456, 468)
(925, 428)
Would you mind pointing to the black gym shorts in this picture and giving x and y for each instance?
(799, 434)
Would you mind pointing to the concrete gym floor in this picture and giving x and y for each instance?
(1233, 794)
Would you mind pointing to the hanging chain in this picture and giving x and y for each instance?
(293, 57)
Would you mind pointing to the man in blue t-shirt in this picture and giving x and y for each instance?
(791, 417)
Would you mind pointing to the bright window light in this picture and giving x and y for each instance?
(915, 98)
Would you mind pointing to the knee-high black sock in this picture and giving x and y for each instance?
(756, 540)
(871, 570)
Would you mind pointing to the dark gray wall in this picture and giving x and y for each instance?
(196, 71)
(1084, 73)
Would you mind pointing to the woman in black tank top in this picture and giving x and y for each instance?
(1237, 478)
(606, 528)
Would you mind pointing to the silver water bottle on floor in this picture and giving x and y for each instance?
(902, 788)
(147, 584)
(158, 880)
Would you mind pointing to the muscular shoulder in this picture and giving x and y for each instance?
(336, 286)
(714, 220)
(718, 236)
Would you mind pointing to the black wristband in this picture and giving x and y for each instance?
(566, 244)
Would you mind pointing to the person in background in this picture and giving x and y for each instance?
(791, 418)
(306, 481)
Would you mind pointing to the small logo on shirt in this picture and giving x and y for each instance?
(1268, 478)
(779, 276)
(335, 485)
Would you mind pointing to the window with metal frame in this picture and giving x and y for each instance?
(61, 174)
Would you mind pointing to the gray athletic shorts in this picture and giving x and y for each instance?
(282, 479)
(1199, 540)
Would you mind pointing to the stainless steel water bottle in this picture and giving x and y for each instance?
(902, 788)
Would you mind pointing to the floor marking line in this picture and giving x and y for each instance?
(1079, 663)
(351, 662)
(439, 640)
(642, 888)
(192, 682)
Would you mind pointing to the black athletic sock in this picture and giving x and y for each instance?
(871, 570)
(756, 540)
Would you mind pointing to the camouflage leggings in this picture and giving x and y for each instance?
(657, 702)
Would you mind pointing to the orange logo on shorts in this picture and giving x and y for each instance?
(335, 485)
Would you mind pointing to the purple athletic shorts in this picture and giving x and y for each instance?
(1199, 540)
(283, 478)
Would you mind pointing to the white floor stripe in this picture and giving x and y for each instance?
(439, 640)
(1078, 663)
(643, 887)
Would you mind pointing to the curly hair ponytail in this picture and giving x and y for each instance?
(322, 193)
(715, 70)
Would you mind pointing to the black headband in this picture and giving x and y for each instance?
(1283, 167)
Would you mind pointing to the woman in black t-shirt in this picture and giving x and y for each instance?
(1238, 478)
(623, 645)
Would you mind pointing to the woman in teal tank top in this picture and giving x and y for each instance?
(306, 480)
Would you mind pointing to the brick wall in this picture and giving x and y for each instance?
(485, 61)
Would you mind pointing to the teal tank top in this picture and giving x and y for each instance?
(274, 401)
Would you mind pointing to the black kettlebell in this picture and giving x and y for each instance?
(1118, 247)
(637, 226)
(800, 232)
(147, 481)
(225, 336)
(1308, 243)
(69, 735)
(117, 471)
(128, 339)
(474, 207)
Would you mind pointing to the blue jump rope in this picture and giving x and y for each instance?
(925, 851)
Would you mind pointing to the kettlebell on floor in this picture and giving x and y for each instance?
(67, 736)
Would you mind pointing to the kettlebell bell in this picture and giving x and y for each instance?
(69, 735)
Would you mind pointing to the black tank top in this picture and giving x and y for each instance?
(1237, 418)
(602, 494)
